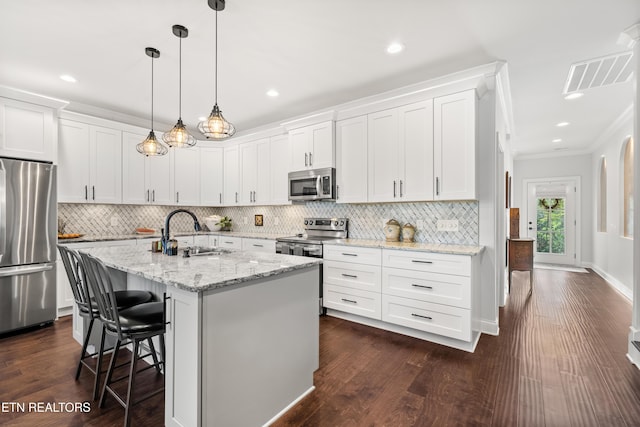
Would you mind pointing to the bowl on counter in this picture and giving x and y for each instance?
(213, 222)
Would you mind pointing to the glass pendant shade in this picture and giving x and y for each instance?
(151, 147)
(179, 136)
(216, 126)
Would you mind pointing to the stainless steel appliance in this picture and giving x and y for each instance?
(317, 232)
(313, 184)
(27, 243)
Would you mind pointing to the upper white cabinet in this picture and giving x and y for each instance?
(351, 160)
(27, 130)
(455, 146)
(255, 169)
(90, 163)
(400, 153)
(312, 147)
(186, 176)
(231, 176)
(279, 159)
(211, 176)
(145, 179)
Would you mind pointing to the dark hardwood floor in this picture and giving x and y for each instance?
(559, 361)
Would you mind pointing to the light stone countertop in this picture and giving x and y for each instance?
(106, 238)
(441, 248)
(199, 273)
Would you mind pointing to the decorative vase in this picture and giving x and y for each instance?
(408, 231)
(392, 231)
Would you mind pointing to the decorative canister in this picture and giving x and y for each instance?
(408, 231)
(392, 231)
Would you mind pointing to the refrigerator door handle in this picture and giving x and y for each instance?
(26, 269)
(3, 210)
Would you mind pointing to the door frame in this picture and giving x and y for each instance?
(577, 208)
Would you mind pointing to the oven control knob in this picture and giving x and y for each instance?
(310, 222)
(335, 223)
(341, 222)
(306, 222)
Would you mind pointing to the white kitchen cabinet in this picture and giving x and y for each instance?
(186, 176)
(230, 242)
(201, 240)
(259, 245)
(279, 161)
(351, 160)
(255, 172)
(90, 163)
(455, 146)
(312, 147)
(211, 176)
(400, 153)
(27, 131)
(145, 180)
(231, 176)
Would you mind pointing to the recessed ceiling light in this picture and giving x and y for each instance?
(562, 124)
(574, 95)
(272, 93)
(68, 78)
(557, 140)
(394, 48)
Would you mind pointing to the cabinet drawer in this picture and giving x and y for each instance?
(430, 287)
(351, 275)
(354, 301)
(260, 245)
(230, 242)
(351, 254)
(426, 261)
(438, 319)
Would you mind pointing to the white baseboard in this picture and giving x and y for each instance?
(489, 327)
(615, 283)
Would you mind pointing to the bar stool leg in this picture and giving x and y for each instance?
(107, 380)
(96, 384)
(152, 350)
(132, 378)
(85, 344)
(162, 352)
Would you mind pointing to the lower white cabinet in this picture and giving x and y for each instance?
(230, 242)
(350, 300)
(351, 275)
(430, 287)
(259, 245)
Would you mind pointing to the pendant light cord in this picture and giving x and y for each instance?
(152, 93)
(216, 84)
(180, 82)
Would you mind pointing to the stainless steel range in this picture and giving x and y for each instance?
(317, 232)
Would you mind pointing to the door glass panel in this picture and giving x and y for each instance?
(550, 213)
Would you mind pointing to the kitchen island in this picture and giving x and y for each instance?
(242, 331)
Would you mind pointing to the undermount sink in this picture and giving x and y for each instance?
(203, 250)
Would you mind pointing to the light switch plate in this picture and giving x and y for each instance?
(420, 224)
(447, 225)
(114, 221)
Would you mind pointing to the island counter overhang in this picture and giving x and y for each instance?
(242, 333)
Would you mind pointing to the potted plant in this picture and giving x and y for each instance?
(225, 223)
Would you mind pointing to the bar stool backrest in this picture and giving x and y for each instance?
(77, 279)
(100, 283)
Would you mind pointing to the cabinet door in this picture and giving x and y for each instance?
(321, 145)
(248, 172)
(262, 188)
(455, 146)
(26, 130)
(211, 176)
(351, 160)
(299, 143)
(279, 161)
(383, 181)
(134, 188)
(159, 179)
(187, 176)
(416, 151)
(231, 176)
(106, 165)
(73, 162)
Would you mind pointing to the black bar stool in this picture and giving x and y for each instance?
(137, 323)
(87, 308)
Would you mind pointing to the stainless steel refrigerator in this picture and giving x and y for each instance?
(28, 238)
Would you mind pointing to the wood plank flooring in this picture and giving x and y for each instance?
(560, 360)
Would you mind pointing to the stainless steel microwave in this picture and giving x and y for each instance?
(313, 184)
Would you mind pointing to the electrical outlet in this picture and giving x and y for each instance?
(114, 221)
(245, 220)
(447, 225)
(420, 224)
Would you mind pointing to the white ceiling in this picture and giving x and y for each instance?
(316, 54)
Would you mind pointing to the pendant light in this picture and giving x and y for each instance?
(179, 136)
(151, 146)
(216, 126)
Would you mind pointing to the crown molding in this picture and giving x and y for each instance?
(32, 98)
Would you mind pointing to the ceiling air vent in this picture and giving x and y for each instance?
(598, 72)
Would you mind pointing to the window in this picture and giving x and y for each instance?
(627, 187)
(602, 196)
(550, 215)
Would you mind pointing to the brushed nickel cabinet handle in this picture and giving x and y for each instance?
(153, 196)
(148, 199)
(306, 159)
(394, 188)
(437, 186)
(93, 192)
(353, 276)
(400, 188)
(177, 197)
(348, 254)
(86, 192)
(220, 197)
(349, 300)
(421, 316)
(419, 261)
(310, 159)
(421, 286)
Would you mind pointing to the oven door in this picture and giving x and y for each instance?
(317, 184)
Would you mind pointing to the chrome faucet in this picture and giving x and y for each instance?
(167, 220)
